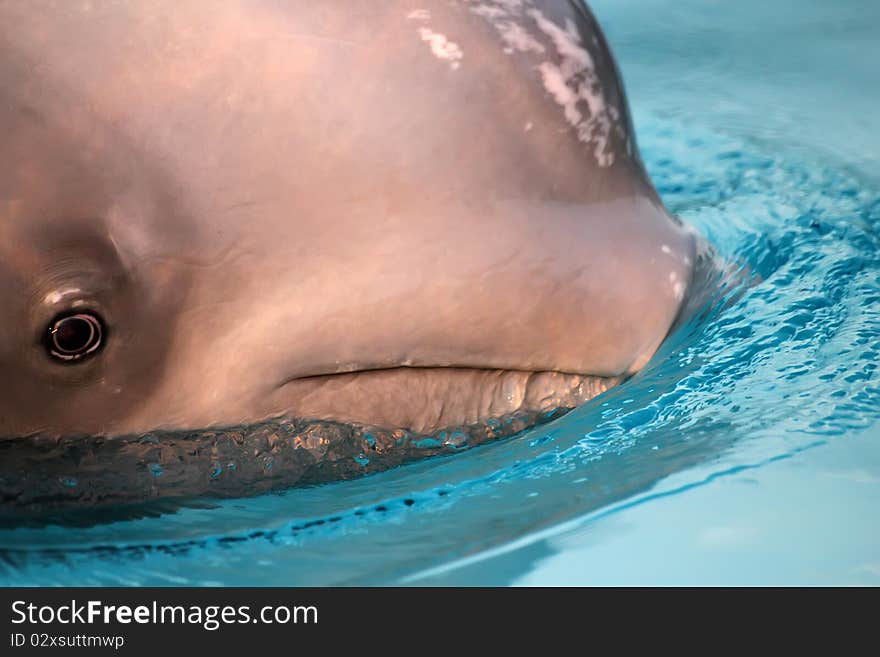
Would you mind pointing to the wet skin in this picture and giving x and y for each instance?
(320, 239)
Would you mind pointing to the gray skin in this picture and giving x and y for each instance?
(351, 219)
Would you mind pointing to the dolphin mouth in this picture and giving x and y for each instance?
(429, 399)
(42, 474)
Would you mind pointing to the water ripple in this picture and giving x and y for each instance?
(781, 354)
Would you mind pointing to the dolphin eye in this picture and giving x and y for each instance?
(75, 336)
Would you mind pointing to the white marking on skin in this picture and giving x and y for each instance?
(489, 12)
(527, 126)
(577, 72)
(668, 251)
(441, 47)
(567, 41)
(517, 38)
(419, 15)
(570, 77)
(677, 286)
(554, 83)
(498, 7)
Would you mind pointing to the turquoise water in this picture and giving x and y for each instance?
(747, 452)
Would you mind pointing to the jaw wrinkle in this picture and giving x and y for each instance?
(428, 399)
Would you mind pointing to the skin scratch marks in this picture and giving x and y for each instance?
(566, 68)
(441, 47)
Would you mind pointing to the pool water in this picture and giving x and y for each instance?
(747, 452)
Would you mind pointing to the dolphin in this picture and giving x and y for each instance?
(252, 244)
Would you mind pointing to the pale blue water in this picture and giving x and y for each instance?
(748, 452)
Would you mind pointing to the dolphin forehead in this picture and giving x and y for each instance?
(348, 88)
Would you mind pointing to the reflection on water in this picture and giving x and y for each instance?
(758, 419)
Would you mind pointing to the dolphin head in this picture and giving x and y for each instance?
(311, 241)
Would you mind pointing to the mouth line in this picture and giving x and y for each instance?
(408, 367)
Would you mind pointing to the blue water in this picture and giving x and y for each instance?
(747, 452)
